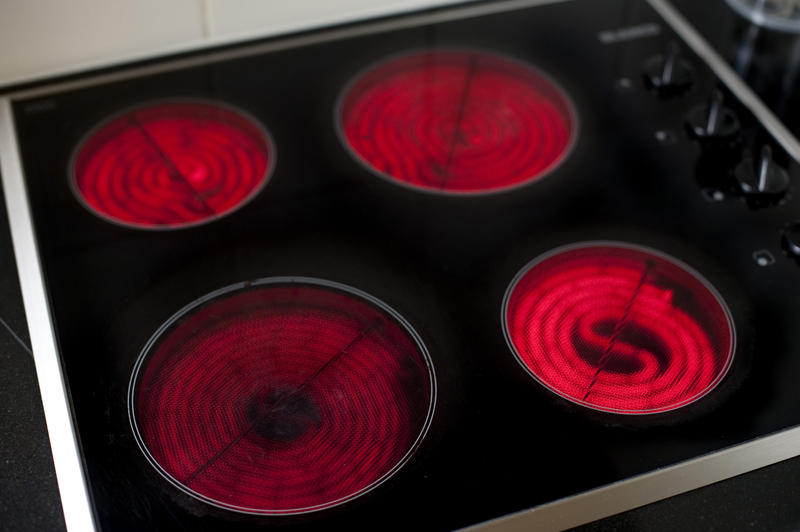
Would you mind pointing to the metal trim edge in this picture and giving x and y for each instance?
(650, 487)
(72, 486)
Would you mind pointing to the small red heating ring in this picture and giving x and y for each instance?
(619, 328)
(172, 164)
(282, 396)
(458, 122)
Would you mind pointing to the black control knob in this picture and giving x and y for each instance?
(712, 121)
(791, 240)
(668, 74)
(762, 180)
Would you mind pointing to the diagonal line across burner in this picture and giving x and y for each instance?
(279, 402)
(462, 105)
(174, 171)
(620, 325)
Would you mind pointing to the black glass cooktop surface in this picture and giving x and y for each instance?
(445, 271)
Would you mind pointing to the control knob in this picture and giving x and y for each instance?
(762, 180)
(791, 240)
(668, 74)
(712, 121)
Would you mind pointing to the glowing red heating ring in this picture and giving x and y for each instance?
(619, 328)
(172, 164)
(460, 122)
(283, 397)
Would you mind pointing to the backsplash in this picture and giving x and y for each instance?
(41, 39)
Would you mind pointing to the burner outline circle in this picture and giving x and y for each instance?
(571, 107)
(266, 137)
(262, 282)
(674, 261)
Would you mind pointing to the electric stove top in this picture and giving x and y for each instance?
(474, 261)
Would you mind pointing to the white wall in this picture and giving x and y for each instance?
(40, 38)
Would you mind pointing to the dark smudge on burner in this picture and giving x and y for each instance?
(284, 415)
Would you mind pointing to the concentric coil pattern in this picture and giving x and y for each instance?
(171, 164)
(619, 329)
(457, 121)
(282, 398)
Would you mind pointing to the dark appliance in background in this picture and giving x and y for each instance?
(467, 262)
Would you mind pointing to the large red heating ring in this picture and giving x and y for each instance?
(282, 396)
(457, 121)
(172, 164)
(619, 328)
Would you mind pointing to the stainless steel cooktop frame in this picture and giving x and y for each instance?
(565, 513)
